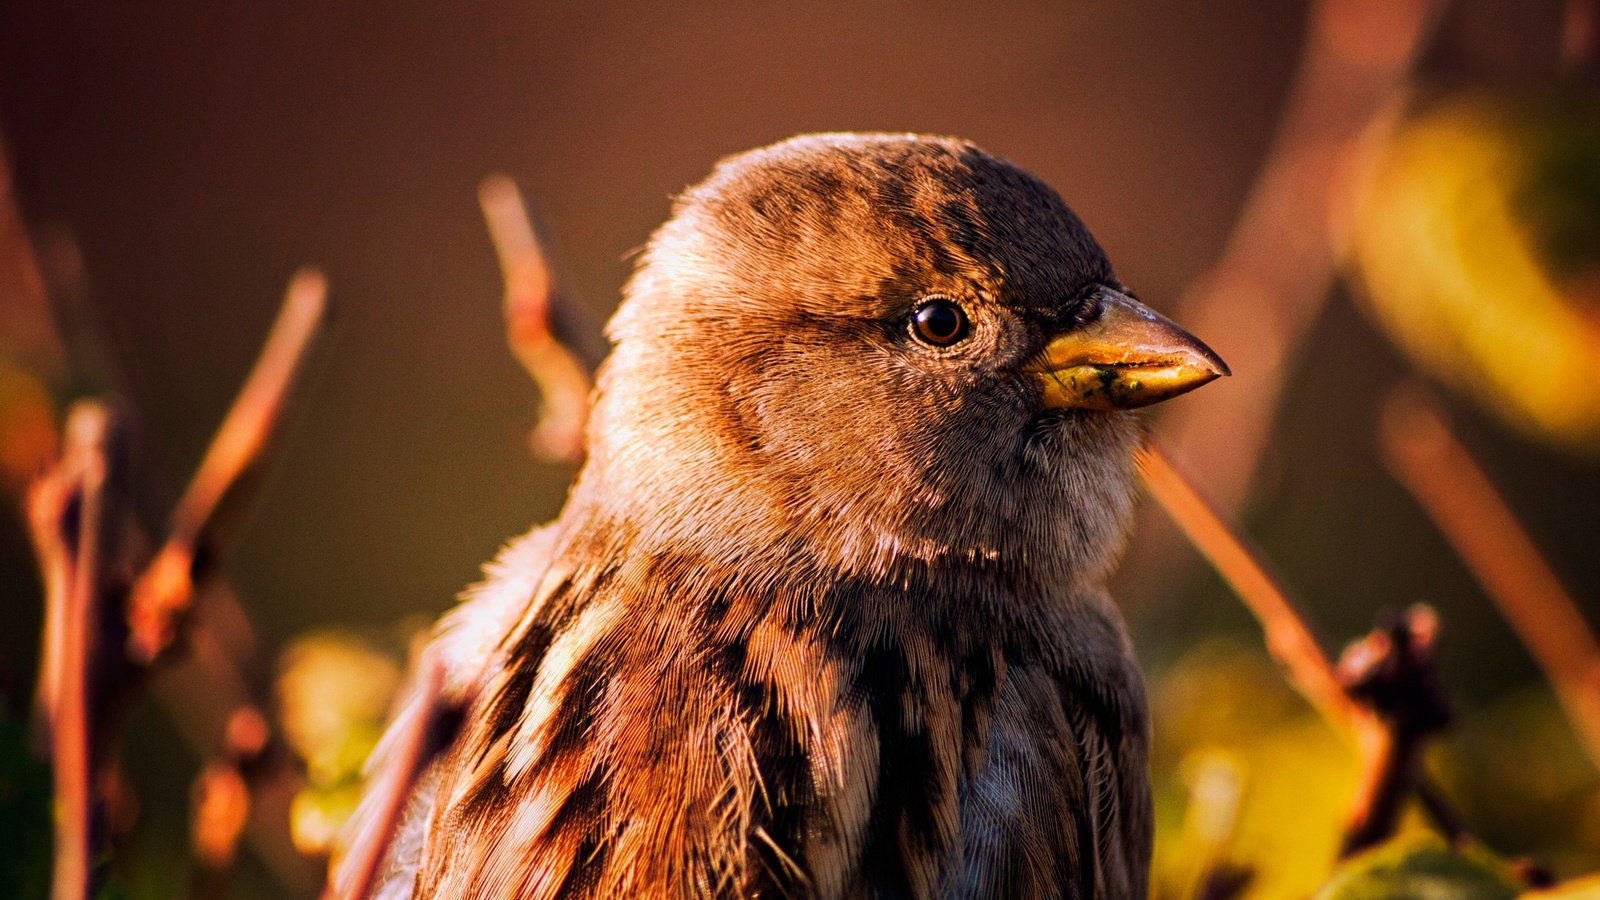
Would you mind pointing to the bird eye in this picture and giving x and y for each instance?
(940, 322)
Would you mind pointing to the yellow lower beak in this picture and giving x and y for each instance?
(1129, 356)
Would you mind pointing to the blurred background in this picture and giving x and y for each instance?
(1338, 196)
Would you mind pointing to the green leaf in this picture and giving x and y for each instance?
(1421, 867)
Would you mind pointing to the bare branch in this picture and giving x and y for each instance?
(419, 732)
(69, 509)
(206, 698)
(1427, 458)
(1391, 672)
(562, 379)
(197, 692)
(1358, 700)
(47, 502)
(1289, 637)
(1279, 260)
(164, 592)
(421, 729)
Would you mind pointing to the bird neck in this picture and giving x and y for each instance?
(746, 569)
(787, 545)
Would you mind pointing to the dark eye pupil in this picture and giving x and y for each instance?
(941, 322)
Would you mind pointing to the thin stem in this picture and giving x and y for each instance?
(562, 379)
(68, 511)
(417, 737)
(1386, 774)
(1387, 745)
(1289, 637)
(1430, 461)
(164, 592)
(1280, 258)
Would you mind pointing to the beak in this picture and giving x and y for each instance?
(1129, 356)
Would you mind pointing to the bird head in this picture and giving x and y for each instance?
(877, 348)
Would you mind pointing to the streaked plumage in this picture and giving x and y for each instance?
(824, 615)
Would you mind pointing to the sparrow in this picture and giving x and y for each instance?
(824, 614)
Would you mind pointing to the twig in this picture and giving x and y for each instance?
(48, 499)
(88, 435)
(1427, 458)
(1279, 260)
(1289, 636)
(69, 510)
(1385, 738)
(31, 332)
(562, 379)
(164, 592)
(221, 637)
(422, 728)
(1391, 672)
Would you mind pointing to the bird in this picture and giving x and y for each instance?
(825, 612)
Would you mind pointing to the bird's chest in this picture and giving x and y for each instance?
(639, 759)
(906, 769)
